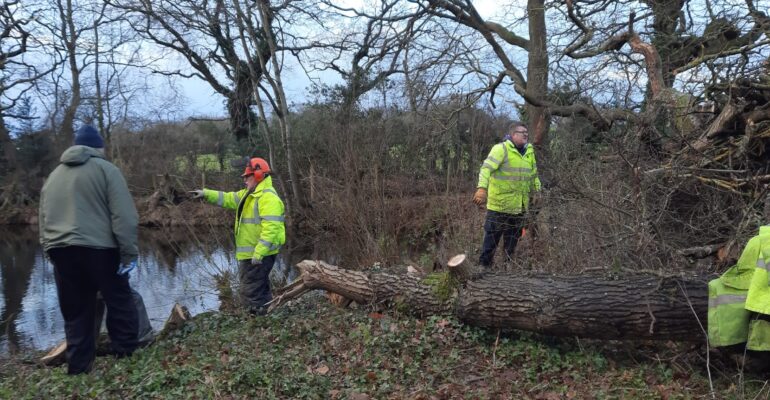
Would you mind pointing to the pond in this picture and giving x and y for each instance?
(175, 266)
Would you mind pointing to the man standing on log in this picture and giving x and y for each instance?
(88, 228)
(507, 181)
(259, 231)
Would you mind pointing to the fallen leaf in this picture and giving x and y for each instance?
(375, 315)
(322, 370)
(664, 392)
(722, 253)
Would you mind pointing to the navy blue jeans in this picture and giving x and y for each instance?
(507, 226)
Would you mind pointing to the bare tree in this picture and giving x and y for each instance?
(18, 76)
(202, 34)
(673, 46)
(116, 86)
(535, 85)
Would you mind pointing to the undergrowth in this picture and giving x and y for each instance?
(313, 350)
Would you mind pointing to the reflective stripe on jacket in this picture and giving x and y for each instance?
(740, 290)
(259, 227)
(509, 177)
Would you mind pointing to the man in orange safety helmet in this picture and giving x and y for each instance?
(259, 231)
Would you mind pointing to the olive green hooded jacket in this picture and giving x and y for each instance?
(85, 202)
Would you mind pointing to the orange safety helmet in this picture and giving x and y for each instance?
(257, 167)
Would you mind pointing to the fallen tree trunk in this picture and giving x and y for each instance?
(634, 307)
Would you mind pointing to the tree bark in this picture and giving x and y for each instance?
(70, 37)
(600, 307)
(537, 70)
(589, 306)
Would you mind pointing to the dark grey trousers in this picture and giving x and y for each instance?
(254, 288)
(507, 226)
(80, 272)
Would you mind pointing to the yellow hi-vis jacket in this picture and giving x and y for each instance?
(259, 220)
(509, 177)
(741, 290)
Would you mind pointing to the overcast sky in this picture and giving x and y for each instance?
(204, 101)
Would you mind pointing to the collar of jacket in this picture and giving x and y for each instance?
(764, 230)
(78, 154)
(266, 183)
(527, 148)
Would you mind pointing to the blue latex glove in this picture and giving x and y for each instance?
(126, 268)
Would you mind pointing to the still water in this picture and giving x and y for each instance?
(175, 266)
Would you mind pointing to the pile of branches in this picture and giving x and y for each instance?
(725, 140)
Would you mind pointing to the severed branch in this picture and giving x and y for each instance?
(701, 251)
(289, 292)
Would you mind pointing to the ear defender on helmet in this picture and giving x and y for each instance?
(257, 167)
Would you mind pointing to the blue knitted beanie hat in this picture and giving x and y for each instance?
(87, 135)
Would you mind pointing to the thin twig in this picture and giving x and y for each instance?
(294, 290)
(652, 318)
(705, 334)
(494, 351)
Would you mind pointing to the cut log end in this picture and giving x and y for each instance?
(178, 317)
(461, 269)
(56, 356)
(456, 260)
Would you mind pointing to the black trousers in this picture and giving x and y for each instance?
(255, 283)
(80, 272)
(496, 225)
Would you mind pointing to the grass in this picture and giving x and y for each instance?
(312, 350)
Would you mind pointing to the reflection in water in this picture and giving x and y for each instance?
(16, 257)
(174, 266)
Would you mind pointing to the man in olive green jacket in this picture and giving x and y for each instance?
(88, 228)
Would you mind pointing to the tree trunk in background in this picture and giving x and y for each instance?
(70, 38)
(634, 307)
(283, 117)
(239, 102)
(98, 89)
(537, 70)
(665, 39)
